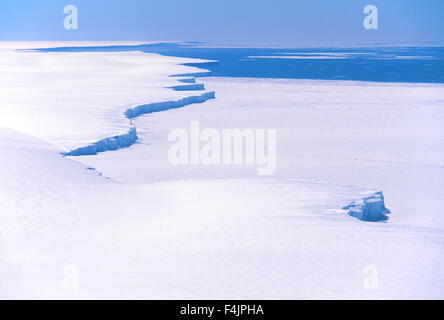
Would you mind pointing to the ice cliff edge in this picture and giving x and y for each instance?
(370, 208)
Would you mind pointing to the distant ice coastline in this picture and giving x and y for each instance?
(380, 63)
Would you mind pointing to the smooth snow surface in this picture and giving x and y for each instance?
(128, 224)
(232, 238)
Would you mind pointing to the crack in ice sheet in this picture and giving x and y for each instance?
(127, 139)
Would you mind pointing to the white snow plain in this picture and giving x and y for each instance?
(153, 230)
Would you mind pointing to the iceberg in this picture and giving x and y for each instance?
(370, 208)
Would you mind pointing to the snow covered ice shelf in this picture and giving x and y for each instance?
(76, 99)
(384, 136)
(152, 230)
(228, 238)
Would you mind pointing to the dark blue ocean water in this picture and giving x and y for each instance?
(383, 63)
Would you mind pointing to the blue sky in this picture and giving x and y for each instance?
(225, 21)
